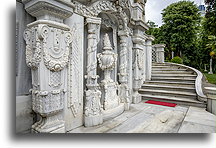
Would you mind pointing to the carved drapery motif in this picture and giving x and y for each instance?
(33, 47)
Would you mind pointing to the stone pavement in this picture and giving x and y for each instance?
(148, 118)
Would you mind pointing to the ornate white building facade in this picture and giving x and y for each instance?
(82, 60)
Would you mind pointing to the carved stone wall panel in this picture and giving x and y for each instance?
(73, 112)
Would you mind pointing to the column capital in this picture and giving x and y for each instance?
(56, 10)
(93, 20)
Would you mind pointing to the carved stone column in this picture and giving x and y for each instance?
(93, 109)
(149, 57)
(123, 72)
(47, 54)
(138, 64)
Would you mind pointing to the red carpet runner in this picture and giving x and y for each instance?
(161, 103)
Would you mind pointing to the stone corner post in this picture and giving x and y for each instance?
(47, 54)
(93, 110)
(159, 49)
(149, 56)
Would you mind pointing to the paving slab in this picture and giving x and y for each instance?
(200, 116)
(190, 127)
(149, 118)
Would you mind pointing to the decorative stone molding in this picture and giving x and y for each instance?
(93, 108)
(94, 9)
(47, 53)
(104, 6)
(56, 10)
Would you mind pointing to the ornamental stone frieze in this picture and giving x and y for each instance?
(47, 54)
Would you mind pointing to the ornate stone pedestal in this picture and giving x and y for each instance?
(47, 54)
(110, 99)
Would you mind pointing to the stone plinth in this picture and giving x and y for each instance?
(211, 96)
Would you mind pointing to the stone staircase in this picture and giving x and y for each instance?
(171, 83)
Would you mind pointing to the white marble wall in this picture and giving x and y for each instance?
(73, 111)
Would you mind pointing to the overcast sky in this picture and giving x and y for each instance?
(154, 9)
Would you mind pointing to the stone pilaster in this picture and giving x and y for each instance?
(47, 54)
(149, 57)
(139, 64)
(93, 108)
(123, 72)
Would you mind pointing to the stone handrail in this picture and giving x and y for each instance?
(198, 83)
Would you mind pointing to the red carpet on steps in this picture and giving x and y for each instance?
(161, 103)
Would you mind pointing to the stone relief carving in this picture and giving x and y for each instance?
(107, 62)
(55, 58)
(33, 47)
(94, 9)
(93, 106)
(55, 79)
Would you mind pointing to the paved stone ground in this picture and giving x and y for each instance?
(148, 118)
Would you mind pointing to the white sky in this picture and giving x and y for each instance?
(154, 9)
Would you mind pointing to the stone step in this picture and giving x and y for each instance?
(170, 93)
(180, 76)
(168, 88)
(167, 66)
(174, 79)
(176, 100)
(172, 72)
(168, 69)
(181, 84)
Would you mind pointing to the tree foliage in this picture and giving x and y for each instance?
(181, 21)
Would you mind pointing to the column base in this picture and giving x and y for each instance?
(114, 112)
(93, 120)
(58, 128)
(136, 98)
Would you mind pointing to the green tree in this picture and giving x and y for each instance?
(181, 22)
(156, 32)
